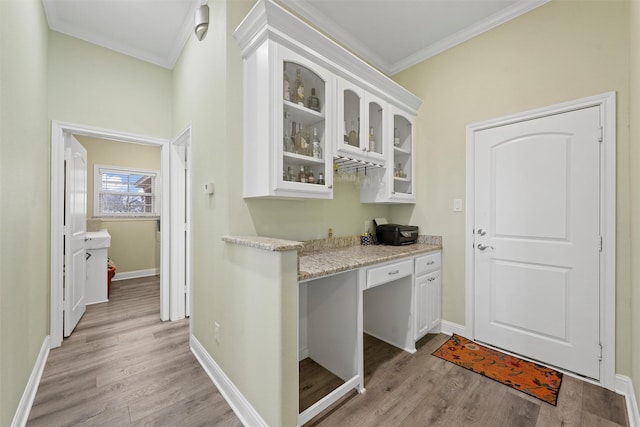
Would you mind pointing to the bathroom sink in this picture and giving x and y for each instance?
(98, 239)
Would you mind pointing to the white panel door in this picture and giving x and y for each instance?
(75, 220)
(537, 241)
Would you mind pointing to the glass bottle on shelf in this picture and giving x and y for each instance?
(311, 179)
(302, 176)
(286, 84)
(372, 140)
(346, 133)
(353, 135)
(317, 149)
(396, 137)
(313, 102)
(287, 140)
(301, 142)
(320, 179)
(298, 89)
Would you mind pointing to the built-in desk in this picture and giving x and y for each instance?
(349, 291)
(343, 291)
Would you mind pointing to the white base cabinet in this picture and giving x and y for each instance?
(428, 291)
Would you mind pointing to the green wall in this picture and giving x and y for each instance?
(94, 86)
(24, 197)
(634, 161)
(561, 51)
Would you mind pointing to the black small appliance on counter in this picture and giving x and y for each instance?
(396, 235)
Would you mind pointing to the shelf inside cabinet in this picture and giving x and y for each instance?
(299, 112)
(302, 159)
(399, 150)
(397, 178)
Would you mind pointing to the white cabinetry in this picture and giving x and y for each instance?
(361, 126)
(353, 117)
(427, 293)
(281, 158)
(395, 182)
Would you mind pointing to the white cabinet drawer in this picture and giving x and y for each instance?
(379, 275)
(427, 263)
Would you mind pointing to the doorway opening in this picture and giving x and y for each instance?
(172, 286)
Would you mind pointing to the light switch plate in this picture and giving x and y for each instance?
(457, 205)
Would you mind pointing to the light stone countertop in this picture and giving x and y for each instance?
(323, 263)
(264, 243)
(319, 258)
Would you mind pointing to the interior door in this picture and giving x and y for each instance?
(537, 239)
(75, 219)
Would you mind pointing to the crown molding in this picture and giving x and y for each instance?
(305, 9)
(480, 27)
(166, 61)
(270, 21)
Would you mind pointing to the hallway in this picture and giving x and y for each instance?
(122, 366)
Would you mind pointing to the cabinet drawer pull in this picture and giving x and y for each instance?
(391, 273)
(431, 262)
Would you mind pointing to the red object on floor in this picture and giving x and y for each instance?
(111, 271)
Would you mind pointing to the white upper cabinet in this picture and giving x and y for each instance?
(395, 182)
(360, 124)
(308, 103)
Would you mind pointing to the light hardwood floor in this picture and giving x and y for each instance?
(423, 390)
(122, 366)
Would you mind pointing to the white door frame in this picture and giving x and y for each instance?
(181, 192)
(58, 131)
(607, 104)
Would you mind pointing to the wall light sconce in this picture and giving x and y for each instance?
(202, 21)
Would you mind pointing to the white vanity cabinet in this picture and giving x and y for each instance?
(427, 293)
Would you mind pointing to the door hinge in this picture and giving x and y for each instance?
(600, 243)
(599, 349)
(185, 289)
(600, 134)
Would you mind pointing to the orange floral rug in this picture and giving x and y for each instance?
(528, 377)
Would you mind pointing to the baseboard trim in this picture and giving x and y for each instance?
(303, 353)
(624, 386)
(26, 402)
(451, 328)
(240, 405)
(135, 274)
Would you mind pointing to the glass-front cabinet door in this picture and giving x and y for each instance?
(376, 140)
(304, 156)
(403, 163)
(350, 105)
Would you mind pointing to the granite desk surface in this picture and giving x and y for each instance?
(319, 258)
(323, 263)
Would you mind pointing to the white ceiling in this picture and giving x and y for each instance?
(390, 34)
(152, 30)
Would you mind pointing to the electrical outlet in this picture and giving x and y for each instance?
(216, 332)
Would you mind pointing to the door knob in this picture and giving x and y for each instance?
(483, 247)
(481, 232)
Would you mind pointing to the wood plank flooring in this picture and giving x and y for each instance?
(122, 366)
(423, 390)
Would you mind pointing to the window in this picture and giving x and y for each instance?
(124, 192)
